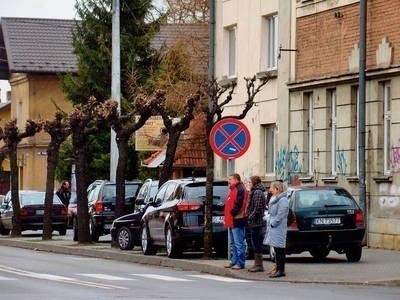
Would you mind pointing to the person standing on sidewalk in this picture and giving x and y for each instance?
(255, 213)
(235, 220)
(277, 225)
(64, 193)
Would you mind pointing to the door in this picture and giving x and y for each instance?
(163, 210)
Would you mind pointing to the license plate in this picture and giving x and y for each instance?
(327, 221)
(40, 212)
(218, 219)
(107, 226)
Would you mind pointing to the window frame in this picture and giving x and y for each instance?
(386, 98)
(231, 57)
(267, 128)
(269, 46)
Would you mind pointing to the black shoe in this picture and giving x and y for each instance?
(277, 274)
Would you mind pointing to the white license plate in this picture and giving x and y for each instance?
(218, 219)
(107, 226)
(327, 221)
(40, 212)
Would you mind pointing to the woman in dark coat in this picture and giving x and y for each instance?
(255, 213)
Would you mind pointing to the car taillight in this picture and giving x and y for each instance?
(64, 212)
(188, 206)
(293, 220)
(23, 213)
(99, 206)
(359, 218)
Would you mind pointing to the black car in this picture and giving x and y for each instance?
(322, 219)
(125, 231)
(32, 212)
(175, 219)
(101, 201)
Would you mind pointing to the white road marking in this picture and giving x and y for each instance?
(161, 277)
(56, 278)
(105, 277)
(219, 278)
(6, 278)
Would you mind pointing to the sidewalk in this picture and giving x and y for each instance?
(377, 267)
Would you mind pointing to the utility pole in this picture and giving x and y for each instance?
(361, 117)
(115, 82)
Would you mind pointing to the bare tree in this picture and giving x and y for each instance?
(86, 119)
(125, 126)
(219, 97)
(174, 128)
(59, 130)
(187, 11)
(12, 137)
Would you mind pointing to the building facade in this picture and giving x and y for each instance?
(324, 107)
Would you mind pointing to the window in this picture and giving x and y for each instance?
(269, 148)
(269, 56)
(385, 88)
(309, 116)
(333, 121)
(230, 38)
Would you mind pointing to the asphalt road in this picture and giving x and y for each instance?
(27, 274)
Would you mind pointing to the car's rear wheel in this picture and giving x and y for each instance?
(319, 253)
(94, 234)
(125, 239)
(353, 253)
(173, 249)
(147, 245)
(62, 231)
(75, 229)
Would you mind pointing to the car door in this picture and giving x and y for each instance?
(7, 214)
(152, 213)
(166, 207)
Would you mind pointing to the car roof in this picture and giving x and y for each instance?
(323, 187)
(190, 180)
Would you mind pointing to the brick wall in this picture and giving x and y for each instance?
(325, 42)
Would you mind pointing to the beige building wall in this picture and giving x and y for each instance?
(249, 19)
(32, 98)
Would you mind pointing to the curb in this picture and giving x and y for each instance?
(185, 265)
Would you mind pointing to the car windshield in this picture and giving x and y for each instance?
(220, 192)
(323, 198)
(110, 191)
(36, 198)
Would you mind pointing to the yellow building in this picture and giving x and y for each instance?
(34, 52)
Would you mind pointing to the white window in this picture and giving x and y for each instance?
(269, 148)
(332, 96)
(310, 112)
(269, 56)
(230, 43)
(386, 126)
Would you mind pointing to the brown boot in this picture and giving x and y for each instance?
(258, 263)
(271, 270)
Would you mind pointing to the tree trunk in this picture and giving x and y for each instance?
(208, 228)
(78, 140)
(52, 158)
(167, 168)
(122, 143)
(16, 220)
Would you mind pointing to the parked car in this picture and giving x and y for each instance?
(101, 201)
(322, 219)
(175, 219)
(32, 212)
(125, 231)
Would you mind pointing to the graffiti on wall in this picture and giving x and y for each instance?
(395, 157)
(287, 162)
(391, 198)
(341, 162)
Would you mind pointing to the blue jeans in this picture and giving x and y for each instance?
(237, 236)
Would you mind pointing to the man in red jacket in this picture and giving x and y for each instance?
(235, 220)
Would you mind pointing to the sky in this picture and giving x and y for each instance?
(56, 9)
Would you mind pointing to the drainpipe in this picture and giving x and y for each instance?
(211, 43)
(361, 117)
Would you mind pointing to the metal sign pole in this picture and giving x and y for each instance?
(230, 166)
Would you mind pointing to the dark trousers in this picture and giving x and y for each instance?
(257, 238)
(280, 259)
